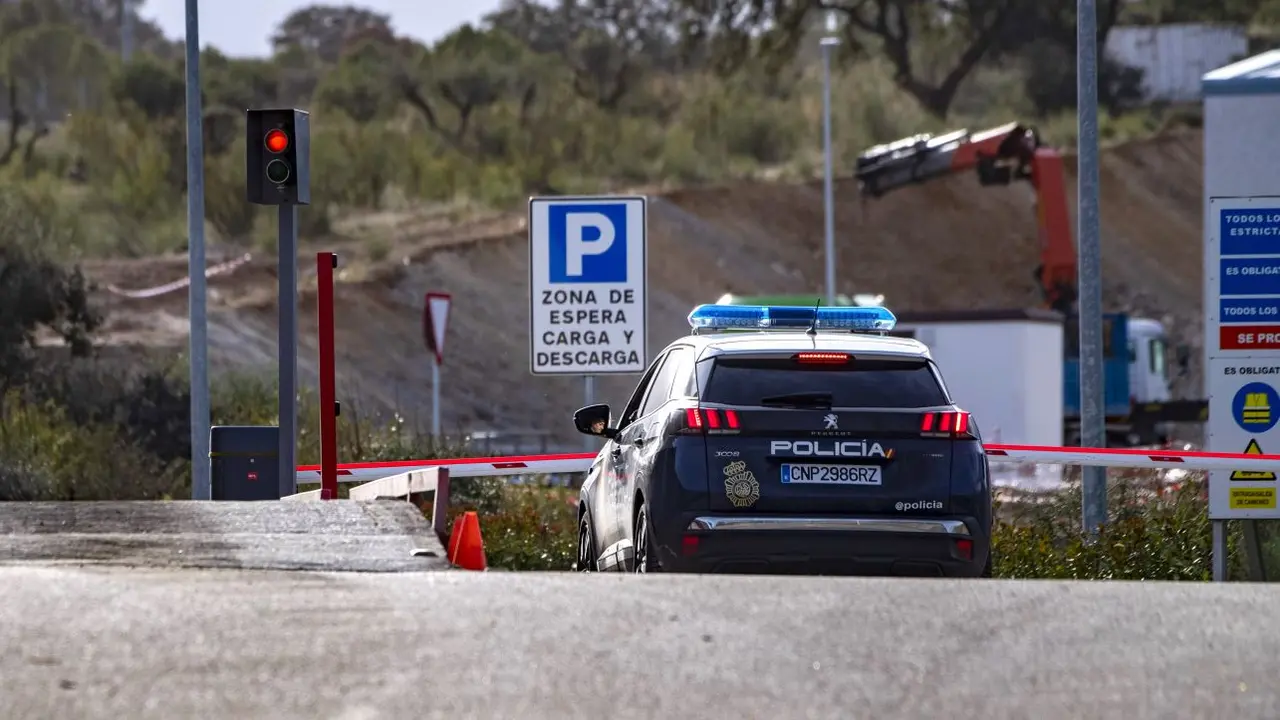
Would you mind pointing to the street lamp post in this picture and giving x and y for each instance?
(829, 43)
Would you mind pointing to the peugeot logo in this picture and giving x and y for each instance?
(833, 423)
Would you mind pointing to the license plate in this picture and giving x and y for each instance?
(830, 474)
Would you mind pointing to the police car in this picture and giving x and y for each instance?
(787, 440)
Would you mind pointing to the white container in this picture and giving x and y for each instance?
(1175, 57)
(1004, 367)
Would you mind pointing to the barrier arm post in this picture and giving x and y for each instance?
(326, 262)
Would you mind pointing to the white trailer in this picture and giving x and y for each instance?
(1005, 367)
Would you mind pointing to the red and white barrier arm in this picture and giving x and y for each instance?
(1128, 458)
(458, 467)
(1041, 454)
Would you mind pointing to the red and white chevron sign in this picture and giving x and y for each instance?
(1039, 454)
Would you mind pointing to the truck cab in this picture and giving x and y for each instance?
(1148, 361)
(1135, 371)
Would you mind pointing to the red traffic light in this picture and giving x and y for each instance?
(277, 141)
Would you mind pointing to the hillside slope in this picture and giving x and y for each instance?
(949, 244)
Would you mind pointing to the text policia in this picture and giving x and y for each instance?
(584, 325)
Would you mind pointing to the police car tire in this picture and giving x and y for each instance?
(986, 569)
(645, 536)
(586, 535)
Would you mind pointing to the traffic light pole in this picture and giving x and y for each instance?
(278, 172)
(288, 304)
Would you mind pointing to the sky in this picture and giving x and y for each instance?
(244, 27)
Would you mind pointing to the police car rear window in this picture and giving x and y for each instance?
(864, 383)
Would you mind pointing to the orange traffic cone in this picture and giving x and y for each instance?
(466, 546)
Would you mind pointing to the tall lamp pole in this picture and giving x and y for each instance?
(201, 489)
(829, 43)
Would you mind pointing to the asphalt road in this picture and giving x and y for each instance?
(179, 643)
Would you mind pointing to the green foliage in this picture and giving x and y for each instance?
(536, 100)
(36, 293)
(1150, 536)
(155, 87)
(46, 456)
(524, 527)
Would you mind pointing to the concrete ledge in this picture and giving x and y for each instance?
(307, 495)
(335, 535)
(432, 481)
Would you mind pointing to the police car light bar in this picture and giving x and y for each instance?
(760, 317)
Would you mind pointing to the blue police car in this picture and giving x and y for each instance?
(787, 440)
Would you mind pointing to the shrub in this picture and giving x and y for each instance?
(45, 456)
(525, 527)
(1152, 533)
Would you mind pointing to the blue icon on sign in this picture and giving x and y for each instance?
(1255, 407)
(588, 243)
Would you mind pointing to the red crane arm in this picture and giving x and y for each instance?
(999, 156)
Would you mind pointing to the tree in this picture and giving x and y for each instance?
(155, 87)
(325, 31)
(357, 86)
(1042, 35)
(894, 28)
(36, 293)
(48, 67)
(609, 45)
(466, 73)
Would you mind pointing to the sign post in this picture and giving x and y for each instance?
(1093, 416)
(588, 286)
(1242, 345)
(435, 321)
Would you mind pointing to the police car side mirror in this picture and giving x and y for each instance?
(594, 420)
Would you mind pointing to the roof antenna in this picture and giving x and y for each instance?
(813, 326)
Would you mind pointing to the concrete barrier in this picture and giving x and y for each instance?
(305, 495)
(335, 535)
(433, 482)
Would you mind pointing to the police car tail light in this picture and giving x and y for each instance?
(822, 358)
(710, 419)
(951, 423)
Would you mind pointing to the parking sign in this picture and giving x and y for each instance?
(587, 281)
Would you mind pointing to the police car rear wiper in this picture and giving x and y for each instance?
(820, 400)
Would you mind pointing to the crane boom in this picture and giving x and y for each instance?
(999, 156)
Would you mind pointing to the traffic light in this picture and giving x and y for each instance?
(277, 157)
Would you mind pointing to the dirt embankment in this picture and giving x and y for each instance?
(948, 244)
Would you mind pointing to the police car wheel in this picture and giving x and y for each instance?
(587, 555)
(986, 569)
(644, 560)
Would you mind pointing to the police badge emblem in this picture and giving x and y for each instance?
(740, 485)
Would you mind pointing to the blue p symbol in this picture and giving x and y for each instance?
(588, 243)
(578, 227)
